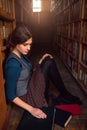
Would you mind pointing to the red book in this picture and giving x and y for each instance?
(73, 108)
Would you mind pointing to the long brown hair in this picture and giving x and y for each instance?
(19, 35)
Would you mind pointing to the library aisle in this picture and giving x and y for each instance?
(77, 122)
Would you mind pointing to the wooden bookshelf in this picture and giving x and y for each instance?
(71, 37)
(7, 21)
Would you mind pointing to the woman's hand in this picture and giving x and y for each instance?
(44, 56)
(38, 113)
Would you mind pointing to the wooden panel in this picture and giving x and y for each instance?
(2, 96)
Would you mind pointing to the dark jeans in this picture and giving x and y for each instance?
(29, 122)
(51, 72)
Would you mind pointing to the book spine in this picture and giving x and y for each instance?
(53, 124)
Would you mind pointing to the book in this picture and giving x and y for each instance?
(61, 117)
(73, 108)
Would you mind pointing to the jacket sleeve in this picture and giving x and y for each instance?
(12, 72)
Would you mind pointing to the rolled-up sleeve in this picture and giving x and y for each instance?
(12, 72)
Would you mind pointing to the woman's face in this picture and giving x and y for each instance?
(24, 48)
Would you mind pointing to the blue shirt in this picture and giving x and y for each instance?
(12, 73)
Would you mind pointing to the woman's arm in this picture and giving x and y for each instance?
(34, 111)
(44, 56)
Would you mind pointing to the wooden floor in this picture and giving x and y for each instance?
(77, 122)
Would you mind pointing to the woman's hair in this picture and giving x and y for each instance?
(19, 35)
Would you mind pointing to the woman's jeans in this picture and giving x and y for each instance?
(50, 71)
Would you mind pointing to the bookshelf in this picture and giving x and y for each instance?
(71, 37)
(7, 23)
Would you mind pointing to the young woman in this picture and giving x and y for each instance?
(18, 73)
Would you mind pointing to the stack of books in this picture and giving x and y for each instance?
(64, 113)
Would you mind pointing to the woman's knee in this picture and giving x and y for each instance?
(46, 63)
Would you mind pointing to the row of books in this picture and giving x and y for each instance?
(84, 32)
(72, 66)
(75, 29)
(63, 18)
(5, 30)
(63, 55)
(62, 29)
(75, 13)
(84, 10)
(69, 45)
(64, 42)
(84, 55)
(6, 8)
(70, 63)
(71, 36)
(72, 47)
(61, 5)
(83, 77)
(69, 52)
